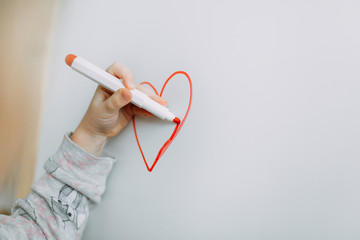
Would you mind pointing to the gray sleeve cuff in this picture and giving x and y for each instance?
(79, 169)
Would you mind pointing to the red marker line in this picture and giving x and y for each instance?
(176, 120)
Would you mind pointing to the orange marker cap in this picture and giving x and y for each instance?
(69, 59)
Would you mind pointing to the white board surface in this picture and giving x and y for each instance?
(270, 149)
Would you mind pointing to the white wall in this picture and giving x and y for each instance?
(271, 146)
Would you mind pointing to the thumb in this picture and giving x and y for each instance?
(119, 99)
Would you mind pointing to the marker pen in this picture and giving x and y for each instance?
(112, 83)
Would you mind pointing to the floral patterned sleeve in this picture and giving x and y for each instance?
(58, 206)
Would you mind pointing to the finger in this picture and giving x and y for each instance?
(107, 91)
(100, 95)
(152, 95)
(119, 99)
(140, 112)
(122, 72)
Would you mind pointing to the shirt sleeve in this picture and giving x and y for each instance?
(58, 206)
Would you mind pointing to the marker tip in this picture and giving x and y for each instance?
(176, 120)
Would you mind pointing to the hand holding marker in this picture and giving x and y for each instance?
(112, 83)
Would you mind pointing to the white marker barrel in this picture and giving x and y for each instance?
(112, 83)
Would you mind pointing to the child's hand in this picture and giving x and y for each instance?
(109, 113)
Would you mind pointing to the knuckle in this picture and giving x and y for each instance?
(117, 64)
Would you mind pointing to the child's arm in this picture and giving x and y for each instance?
(58, 206)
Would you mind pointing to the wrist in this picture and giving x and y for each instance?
(90, 142)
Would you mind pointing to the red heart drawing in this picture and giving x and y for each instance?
(177, 128)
